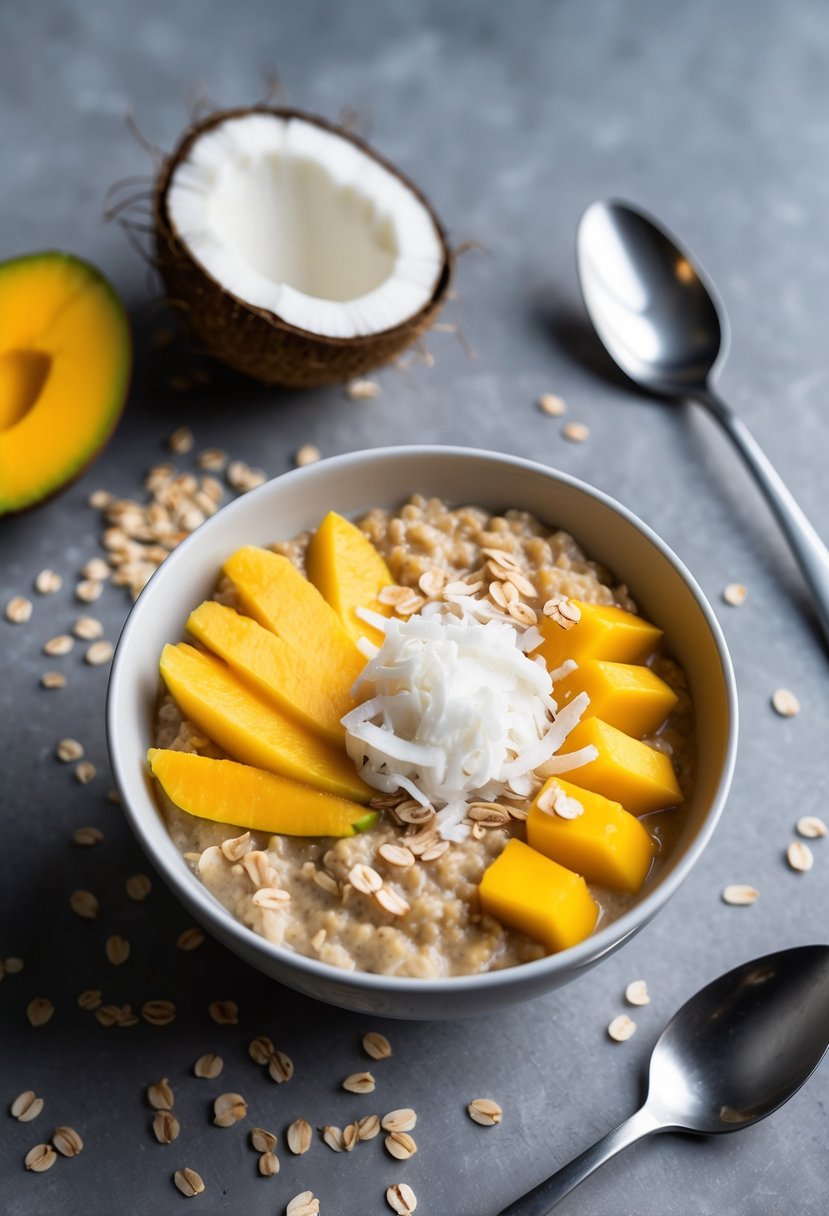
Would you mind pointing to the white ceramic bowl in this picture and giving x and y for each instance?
(350, 484)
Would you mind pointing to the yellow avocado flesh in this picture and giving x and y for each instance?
(627, 695)
(64, 370)
(625, 770)
(605, 844)
(281, 674)
(602, 632)
(228, 792)
(534, 895)
(349, 573)
(242, 723)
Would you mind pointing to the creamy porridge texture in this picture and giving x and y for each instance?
(426, 921)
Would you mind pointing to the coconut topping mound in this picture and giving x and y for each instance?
(456, 711)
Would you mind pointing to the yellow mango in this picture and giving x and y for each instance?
(274, 593)
(249, 729)
(627, 695)
(283, 675)
(626, 770)
(605, 844)
(247, 797)
(346, 568)
(602, 632)
(534, 895)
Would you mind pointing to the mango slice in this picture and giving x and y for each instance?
(65, 353)
(627, 695)
(640, 777)
(281, 674)
(346, 568)
(274, 593)
(243, 724)
(227, 792)
(605, 844)
(602, 632)
(534, 895)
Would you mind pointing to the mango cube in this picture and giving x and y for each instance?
(640, 777)
(605, 844)
(602, 632)
(534, 895)
(627, 695)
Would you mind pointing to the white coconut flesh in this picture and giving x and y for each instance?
(295, 219)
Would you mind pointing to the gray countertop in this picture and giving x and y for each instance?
(512, 118)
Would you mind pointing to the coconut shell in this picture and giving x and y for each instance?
(253, 340)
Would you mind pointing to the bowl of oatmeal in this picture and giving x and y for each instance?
(432, 798)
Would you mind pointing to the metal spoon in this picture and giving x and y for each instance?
(661, 321)
(732, 1054)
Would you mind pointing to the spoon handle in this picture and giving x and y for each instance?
(543, 1198)
(809, 550)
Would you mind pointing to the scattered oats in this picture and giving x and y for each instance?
(114, 797)
(396, 854)
(40, 1011)
(108, 1015)
(160, 1095)
(59, 645)
(26, 1106)
(87, 628)
(364, 879)
(271, 899)
(740, 895)
(67, 1141)
(785, 703)
(41, 1157)
(229, 1109)
(402, 1120)
(391, 901)
(734, 594)
(90, 998)
(97, 569)
(637, 993)
(260, 1049)
(809, 826)
(166, 1127)
(484, 1111)
(263, 1141)
(68, 750)
(552, 405)
(257, 866)
(208, 1066)
(401, 1198)
(350, 1136)
(333, 1137)
(359, 1083)
(190, 939)
(18, 609)
(554, 801)
(213, 459)
(99, 500)
(400, 1145)
(432, 581)
(799, 856)
(237, 474)
(138, 887)
(376, 1045)
(84, 904)
(13, 965)
(47, 582)
(280, 1067)
(268, 1165)
(307, 454)
(224, 1013)
(85, 772)
(621, 1028)
(188, 1182)
(303, 1204)
(234, 849)
(181, 440)
(368, 1127)
(563, 611)
(362, 390)
(88, 590)
(117, 949)
(318, 940)
(575, 432)
(299, 1136)
(158, 1012)
(326, 883)
(53, 679)
(99, 653)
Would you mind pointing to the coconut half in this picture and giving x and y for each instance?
(296, 253)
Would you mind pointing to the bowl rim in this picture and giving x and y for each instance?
(190, 891)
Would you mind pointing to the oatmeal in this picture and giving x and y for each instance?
(398, 898)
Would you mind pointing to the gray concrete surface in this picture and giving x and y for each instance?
(512, 117)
